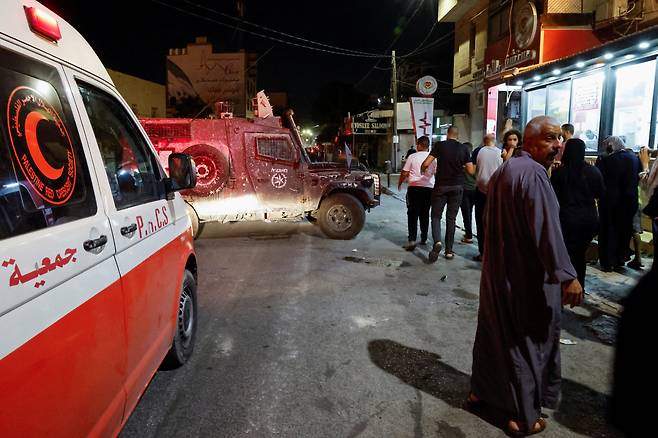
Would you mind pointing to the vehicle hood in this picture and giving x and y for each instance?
(336, 169)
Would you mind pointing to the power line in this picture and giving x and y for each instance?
(426, 37)
(317, 49)
(431, 46)
(390, 46)
(258, 26)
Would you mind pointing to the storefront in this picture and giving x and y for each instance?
(610, 89)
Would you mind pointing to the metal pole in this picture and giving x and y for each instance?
(394, 87)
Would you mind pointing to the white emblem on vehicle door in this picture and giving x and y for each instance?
(279, 179)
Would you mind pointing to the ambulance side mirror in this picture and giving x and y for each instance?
(182, 173)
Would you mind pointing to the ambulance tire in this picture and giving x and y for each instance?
(212, 169)
(341, 216)
(186, 322)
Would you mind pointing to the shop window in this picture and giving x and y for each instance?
(558, 101)
(536, 103)
(586, 109)
(633, 102)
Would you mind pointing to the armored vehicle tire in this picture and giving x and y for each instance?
(211, 167)
(341, 216)
(185, 335)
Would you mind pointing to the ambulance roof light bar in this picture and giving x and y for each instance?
(43, 23)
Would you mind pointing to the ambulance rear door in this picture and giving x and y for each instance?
(62, 348)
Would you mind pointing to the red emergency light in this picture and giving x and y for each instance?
(43, 23)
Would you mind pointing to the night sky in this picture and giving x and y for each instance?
(134, 37)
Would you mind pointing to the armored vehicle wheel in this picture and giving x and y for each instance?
(341, 216)
(211, 167)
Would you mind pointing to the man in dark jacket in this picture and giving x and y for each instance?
(619, 204)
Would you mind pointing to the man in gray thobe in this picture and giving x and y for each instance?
(526, 278)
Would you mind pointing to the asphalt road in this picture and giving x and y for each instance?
(302, 336)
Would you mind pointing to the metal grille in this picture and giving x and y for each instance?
(168, 131)
(277, 148)
(566, 6)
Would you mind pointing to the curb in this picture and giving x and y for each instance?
(392, 194)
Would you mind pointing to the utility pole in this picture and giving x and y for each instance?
(240, 7)
(394, 95)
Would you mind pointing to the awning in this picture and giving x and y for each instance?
(623, 49)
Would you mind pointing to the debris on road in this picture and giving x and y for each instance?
(605, 328)
(381, 262)
(567, 342)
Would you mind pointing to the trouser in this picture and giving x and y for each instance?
(450, 196)
(468, 201)
(480, 201)
(419, 201)
(616, 232)
(577, 238)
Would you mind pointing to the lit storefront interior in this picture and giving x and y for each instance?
(607, 90)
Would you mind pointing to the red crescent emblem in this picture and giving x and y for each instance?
(52, 179)
(31, 122)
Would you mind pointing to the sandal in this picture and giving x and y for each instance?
(538, 427)
(472, 403)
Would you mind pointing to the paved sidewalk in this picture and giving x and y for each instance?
(605, 290)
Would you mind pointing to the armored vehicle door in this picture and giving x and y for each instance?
(276, 172)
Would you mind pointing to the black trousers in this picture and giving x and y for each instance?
(419, 201)
(468, 202)
(616, 232)
(577, 238)
(480, 201)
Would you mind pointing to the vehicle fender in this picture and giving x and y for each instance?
(346, 187)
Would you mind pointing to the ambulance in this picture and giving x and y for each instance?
(97, 267)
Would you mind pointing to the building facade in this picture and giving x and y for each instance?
(585, 62)
(197, 78)
(471, 25)
(146, 98)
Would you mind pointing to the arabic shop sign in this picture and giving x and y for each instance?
(365, 124)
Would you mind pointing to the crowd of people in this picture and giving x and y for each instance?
(540, 193)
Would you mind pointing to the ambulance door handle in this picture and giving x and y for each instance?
(130, 229)
(90, 245)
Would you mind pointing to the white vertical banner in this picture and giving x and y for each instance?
(422, 109)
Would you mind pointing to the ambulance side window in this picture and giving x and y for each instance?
(44, 178)
(131, 169)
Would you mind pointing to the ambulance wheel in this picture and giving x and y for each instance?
(342, 216)
(186, 320)
(194, 218)
(212, 169)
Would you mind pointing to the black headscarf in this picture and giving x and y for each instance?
(569, 180)
(573, 159)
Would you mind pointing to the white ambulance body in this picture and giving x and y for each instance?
(97, 267)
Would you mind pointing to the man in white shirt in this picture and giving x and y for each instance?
(488, 161)
(419, 193)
